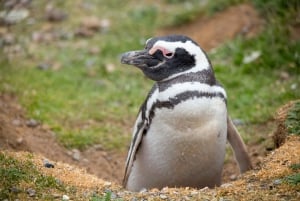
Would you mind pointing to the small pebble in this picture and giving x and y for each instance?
(65, 197)
(76, 154)
(226, 185)
(194, 193)
(143, 190)
(98, 147)
(277, 181)
(204, 189)
(15, 190)
(31, 192)
(20, 140)
(48, 165)
(233, 177)
(42, 66)
(15, 15)
(32, 123)
(107, 183)
(294, 86)
(162, 196)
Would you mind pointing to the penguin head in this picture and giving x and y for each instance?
(167, 57)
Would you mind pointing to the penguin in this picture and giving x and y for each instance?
(182, 127)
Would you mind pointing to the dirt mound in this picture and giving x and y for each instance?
(268, 183)
(280, 134)
(212, 31)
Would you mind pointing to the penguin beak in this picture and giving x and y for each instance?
(140, 59)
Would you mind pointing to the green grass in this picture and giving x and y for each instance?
(292, 121)
(293, 179)
(256, 89)
(15, 174)
(106, 197)
(86, 101)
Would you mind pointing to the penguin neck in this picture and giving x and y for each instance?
(205, 76)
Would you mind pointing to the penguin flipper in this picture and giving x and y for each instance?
(238, 147)
(140, 129)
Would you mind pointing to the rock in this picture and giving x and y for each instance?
(204, 189)
(226, 185)
(14, 16)
(107, 184)
(143, 190)
(284, 75)
(83, 32)
(15, 190)
(91, 22)
(98, 147)
(163, 196)
(43, 66)
(277, 181)
(294, 86)
(31, 192)
(48, 164)
(32, 123)
(19, 140)
(65, 197)
(76, 155)
(233, 177)
(55, 14)
(193, 193)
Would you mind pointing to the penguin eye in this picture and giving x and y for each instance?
(168, 55)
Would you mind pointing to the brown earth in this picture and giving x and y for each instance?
(17, 133)
(210, 32)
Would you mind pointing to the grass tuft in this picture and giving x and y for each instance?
(15, 173)
(292, 121)
(293, 179)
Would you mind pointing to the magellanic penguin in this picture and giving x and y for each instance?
(181, 130)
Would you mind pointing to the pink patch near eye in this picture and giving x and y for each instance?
(166, 53)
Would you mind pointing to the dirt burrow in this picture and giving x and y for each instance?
(17, 132)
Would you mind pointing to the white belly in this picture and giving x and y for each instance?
(184, 146)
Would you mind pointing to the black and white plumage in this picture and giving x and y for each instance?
(181, 130)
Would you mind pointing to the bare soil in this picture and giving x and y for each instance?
(210, 32)
(17, 134)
